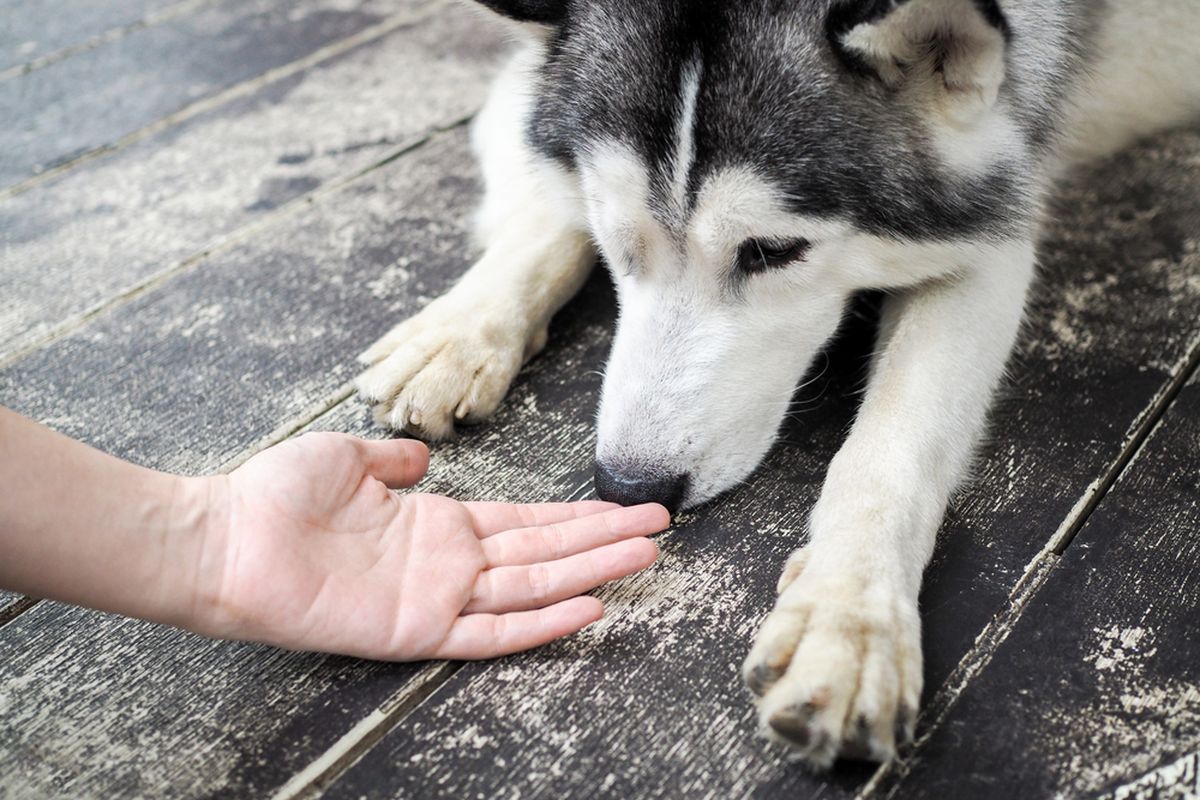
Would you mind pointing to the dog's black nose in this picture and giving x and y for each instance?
(629, 488)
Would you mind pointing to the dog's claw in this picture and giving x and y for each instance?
(858, 743)
(762, 678)
(835, 666)
(795, 565)
(431, 371)
(792, 723)
(905, 725)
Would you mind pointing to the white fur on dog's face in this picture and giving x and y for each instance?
(705, 361)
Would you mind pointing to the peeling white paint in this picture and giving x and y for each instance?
(1123, 647)
(1179, 780)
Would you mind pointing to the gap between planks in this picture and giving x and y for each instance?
(363, 736)
(346, 751)
(15, 609)
(356, 742)
(311, 781)
(223, 243)
(290, 428)
(325, 770)
(232, 93)
(107, 37)
(1031, 582)
(1150, 420)
(371, 729)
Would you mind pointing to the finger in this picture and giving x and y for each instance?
(476, 636)
(505, 589)
(561, 539)
(493, 518)
(399, 463)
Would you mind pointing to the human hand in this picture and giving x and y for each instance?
(308, 549)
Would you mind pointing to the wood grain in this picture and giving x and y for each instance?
(95, 706)
(186, 378)
(33, 31)
(1097, 689)
(12, 605)
(649, 703)
(187, 375)
(69, 247)
(92, 100)
(206, 289)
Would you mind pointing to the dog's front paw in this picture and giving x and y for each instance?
(837, 667)
(453, 362)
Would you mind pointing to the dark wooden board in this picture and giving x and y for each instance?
(186, 378)
(93, 99)
(70, 246)
(1097, 688)
(11, 604)
(95, 706)
(33, 31)
(649, 702)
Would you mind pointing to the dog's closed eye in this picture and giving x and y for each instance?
(758, 255)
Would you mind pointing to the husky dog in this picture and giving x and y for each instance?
(745, 167)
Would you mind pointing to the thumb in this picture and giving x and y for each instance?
(399, 463)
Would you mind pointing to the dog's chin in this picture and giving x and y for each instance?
(695, 501)
(708, 486)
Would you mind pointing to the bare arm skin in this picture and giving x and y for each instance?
(305, 547)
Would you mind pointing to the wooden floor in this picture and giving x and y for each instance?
(209, 206)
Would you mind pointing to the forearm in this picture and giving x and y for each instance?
(81, 526)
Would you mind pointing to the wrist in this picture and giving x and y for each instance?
(194, 560)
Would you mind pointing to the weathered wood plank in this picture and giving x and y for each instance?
(184, 378)
(33, 32)
(1097, 688)
(649, 702)
(92, 100)
(280, 295)
(186, 375)
(11, 604)
(95, 706)
(69, 246)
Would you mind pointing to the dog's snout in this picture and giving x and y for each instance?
(630, 487)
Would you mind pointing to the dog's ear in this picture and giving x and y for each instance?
(952, 52)
(544, 12)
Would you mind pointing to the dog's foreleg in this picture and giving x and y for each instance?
(838, 661)
(454, 360)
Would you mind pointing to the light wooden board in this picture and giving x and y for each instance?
(92, 100)
(649, 702)
(32, 31)
(187, 375)
(186, 378)
(69, 247)
(1097, 688)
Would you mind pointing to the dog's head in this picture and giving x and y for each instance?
(746, 167)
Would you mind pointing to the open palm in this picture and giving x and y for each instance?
(314, 552)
